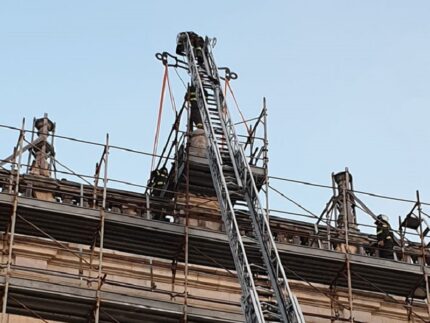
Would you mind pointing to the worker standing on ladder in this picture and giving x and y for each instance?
(384, 236)
(198, 44)
(196, 41)
(191, 97)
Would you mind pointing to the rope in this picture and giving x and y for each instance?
(182, 81)
(227, 82)
(172, 98)
(160, 111)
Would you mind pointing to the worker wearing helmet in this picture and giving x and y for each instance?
(191, 97)
(384, 236)
(159, 179)
(198, 49)
(182, 40)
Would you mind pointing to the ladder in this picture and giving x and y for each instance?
(272, 300)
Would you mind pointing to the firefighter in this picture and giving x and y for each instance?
(198, 49)
(384, 236)
(196, 41)
(191, 97)
(180, 46)
(159, 178)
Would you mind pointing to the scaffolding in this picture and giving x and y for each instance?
(90, 207)
(175, 237)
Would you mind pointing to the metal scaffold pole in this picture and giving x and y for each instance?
(187, 215)
(13, 220)
(29, 151)
(423, 250)
(348, 265)
(52, 160)
(266, 157)
(102, 230)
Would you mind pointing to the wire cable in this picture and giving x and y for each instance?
(182, 81)
(270, 177)
(398, 199)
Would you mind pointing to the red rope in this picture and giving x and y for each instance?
(172, 99)
(227, 83)
(160, 112)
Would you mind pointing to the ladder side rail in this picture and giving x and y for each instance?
(199, 86)
(237, 248)
(254, 313)
(239, 155)
(235, 142)
(261, 222)
(221, 103)
(206, 62)
(268, 245)
(287, 308)
(211, 60)
(297, 309)
(229, 128)
(266, 241)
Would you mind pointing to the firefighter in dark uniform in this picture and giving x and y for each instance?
(196, 41)
(159, 179)
(191, 97)
(183, 39)
(384, 236)
(198, 44)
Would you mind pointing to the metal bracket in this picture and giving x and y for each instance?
(164, 58)
(229, 75)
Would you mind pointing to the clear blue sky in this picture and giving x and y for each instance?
(347, 83)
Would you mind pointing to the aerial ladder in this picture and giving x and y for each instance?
(272, 301)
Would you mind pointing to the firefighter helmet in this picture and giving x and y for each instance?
(382, 218)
